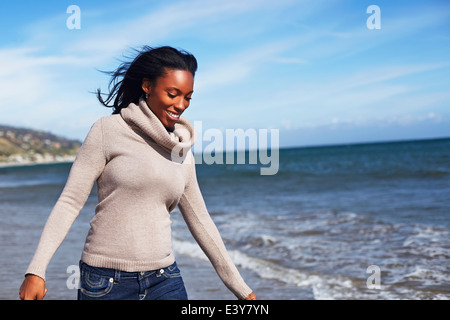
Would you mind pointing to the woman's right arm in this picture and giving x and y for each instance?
(85, 170)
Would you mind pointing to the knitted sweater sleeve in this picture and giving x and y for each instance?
(205, 232)
(87, 167)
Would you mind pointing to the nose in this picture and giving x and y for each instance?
(181, 105)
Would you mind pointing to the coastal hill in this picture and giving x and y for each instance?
(23, 146)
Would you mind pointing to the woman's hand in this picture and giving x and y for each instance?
(32, 288)
(251, 296)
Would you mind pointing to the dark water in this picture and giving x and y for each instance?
(309, 232)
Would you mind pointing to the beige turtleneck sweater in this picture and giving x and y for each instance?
(142, 172)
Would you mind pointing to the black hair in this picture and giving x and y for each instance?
(125, 85)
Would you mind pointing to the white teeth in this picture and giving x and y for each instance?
(173, 114)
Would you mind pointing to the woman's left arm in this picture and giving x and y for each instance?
(204, 231)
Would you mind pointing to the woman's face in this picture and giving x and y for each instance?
(170, 96)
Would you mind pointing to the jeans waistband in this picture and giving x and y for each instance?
(117, 274)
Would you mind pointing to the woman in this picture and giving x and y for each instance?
(140, 158)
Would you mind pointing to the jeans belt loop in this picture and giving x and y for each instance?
(116, 276)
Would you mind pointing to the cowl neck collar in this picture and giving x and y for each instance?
(177, 142)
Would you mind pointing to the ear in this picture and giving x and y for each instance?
(146, 85)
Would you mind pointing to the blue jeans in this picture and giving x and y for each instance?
(110, 284)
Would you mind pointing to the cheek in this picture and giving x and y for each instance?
(164, 102)
(158, 105)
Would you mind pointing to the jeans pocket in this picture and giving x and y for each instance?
(95, 285)
(172, 271)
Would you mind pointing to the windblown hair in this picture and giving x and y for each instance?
(125, 85)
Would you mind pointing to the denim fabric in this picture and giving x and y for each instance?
(110, 284)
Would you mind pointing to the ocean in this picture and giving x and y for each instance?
(359, 221)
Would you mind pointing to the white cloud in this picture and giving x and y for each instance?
(239, 65)
(369, 96)
(47, 79)
(38, 91)
(108, 39)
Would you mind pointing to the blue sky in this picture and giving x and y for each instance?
(311, 68)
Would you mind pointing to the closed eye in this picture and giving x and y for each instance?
(174, 95)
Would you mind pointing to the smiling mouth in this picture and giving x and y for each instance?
(172, 115)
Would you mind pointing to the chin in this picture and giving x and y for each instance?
(169, 124)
